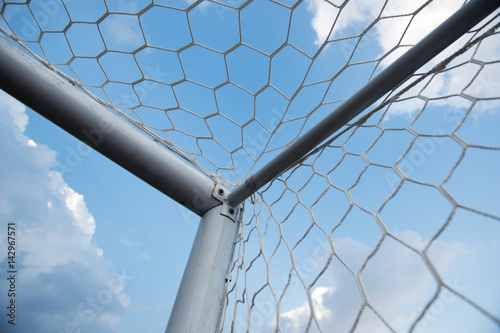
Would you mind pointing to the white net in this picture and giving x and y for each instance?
(391, 225)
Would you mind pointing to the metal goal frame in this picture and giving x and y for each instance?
(199, 301)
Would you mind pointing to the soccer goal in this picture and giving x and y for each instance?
(343, 155)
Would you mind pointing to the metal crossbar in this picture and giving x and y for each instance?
(394, 75)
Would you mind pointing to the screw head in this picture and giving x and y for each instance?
(231, 211)
(221, 191)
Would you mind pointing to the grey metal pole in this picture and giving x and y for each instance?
(198, 304)
(444, 35)
(47, 93)
(199, 300)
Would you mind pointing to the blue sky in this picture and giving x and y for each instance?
(101, 251)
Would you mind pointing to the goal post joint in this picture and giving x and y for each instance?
(200, 297)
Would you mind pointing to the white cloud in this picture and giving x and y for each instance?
(324, 16)
(295, 318)
(60, 266)
(429, 18)
(15, 110)
(354, 16)
(394, 29)
(394, 25)
(350, 20)
(76, 205)
(447, 83)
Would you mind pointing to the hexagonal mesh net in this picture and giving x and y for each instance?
(390, 225)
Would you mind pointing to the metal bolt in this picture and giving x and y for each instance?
(221, 191)
(231, 211)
